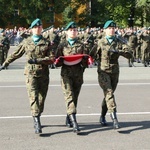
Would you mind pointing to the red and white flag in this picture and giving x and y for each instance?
(74, 59)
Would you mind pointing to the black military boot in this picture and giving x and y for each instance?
(102, 119)
(131, 62)
(37, 124)
(68, 122)
(74, 122)
(115, 120)
(138, 60)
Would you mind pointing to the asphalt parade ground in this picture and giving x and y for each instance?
(133, 105)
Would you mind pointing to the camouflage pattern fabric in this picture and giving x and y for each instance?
(108, 68)
(4, 49)
(37, 75)
(132, 42)
(145, 48)
(71, 76)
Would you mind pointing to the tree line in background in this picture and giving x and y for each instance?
(124, 12)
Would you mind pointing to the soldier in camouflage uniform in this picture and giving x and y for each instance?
(99, 34)
(138, 49)
(62, 36)
(71, 73)
(132, 42)
(38, 56)
(108, 50)
(88, 38)
(54, 39)
(4, 46)
(145, 47)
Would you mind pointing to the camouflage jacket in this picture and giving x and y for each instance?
(65, 49)
(54, 39)
(145, 38)
(41, 52)
(108, 54)
(5, 41)
(89, 38)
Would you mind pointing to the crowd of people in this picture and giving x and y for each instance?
(137, 38)
(74, 49)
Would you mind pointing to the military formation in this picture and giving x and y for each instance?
(74, 49)
(137, 38)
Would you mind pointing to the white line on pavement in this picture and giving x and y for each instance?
(56, 85)
(93, 114)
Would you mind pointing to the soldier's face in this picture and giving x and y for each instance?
(37, 30)
(72, 33)
(110, 31)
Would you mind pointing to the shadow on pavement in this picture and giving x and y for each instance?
(134, 126)
(88, 128)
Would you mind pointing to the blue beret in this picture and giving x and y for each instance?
(109, 23)
(71, 25)
(36, 22)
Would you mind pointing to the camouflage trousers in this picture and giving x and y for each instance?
(108, 82)
(71, 87)
(145, 55)
(3, 55)
(37, 88)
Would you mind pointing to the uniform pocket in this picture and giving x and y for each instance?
(35, 70)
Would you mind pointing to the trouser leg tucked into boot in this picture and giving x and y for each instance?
(68, 122)
(37, 124)
(74, 122)
(115, 120)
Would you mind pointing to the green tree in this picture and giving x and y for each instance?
(22, 12)
(28, 10)
(144, 15)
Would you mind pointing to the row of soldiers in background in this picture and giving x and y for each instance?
(4, 46)
(139, 42)
(138, 39)
(9, 37)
